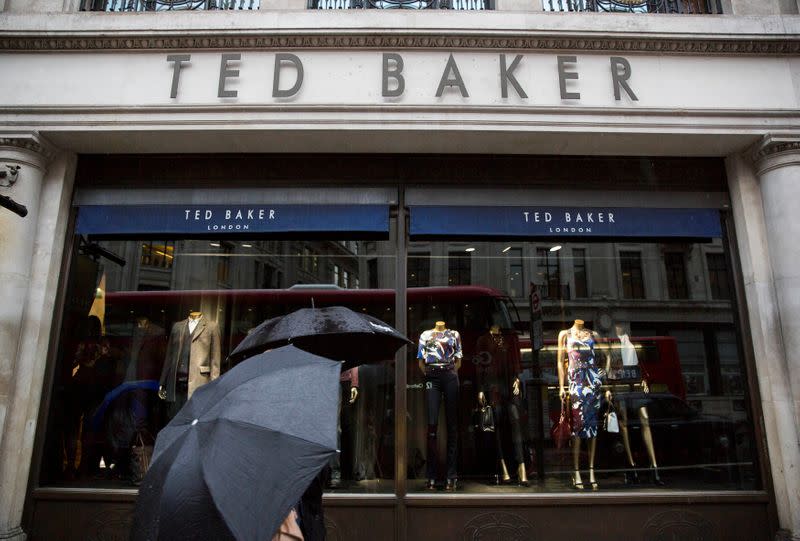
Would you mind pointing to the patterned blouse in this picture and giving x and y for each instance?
(440, 348)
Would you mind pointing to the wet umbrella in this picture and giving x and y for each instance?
(242, 451)
(335, 332)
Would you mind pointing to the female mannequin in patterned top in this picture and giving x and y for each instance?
(439, 356)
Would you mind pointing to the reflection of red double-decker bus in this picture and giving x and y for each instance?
(659, 362)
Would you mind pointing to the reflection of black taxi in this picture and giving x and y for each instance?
(682, 436)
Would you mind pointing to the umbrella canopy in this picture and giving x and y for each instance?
(335, 332)
(242, 451)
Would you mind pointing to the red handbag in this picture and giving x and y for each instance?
(562, 431)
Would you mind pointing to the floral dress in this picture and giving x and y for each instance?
(584, 386)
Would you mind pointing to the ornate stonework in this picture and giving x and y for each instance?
(31, 143)
(497, 525)
(393, 41)
(683, 525)
(771, 147)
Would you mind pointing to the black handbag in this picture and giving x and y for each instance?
(484, 421)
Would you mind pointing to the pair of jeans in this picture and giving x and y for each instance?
(442, 383)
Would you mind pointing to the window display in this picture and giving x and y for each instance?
(630, 332)
(619, 350)
(139, 339)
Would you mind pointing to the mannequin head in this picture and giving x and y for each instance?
(440, 326)
(578, 324)
(194, 314)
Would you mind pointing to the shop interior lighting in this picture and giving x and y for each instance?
(507, 248)
(214, 244)
(247, 245)
(470, 249)
(555, 248)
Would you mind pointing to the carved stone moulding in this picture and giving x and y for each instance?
(409, 40)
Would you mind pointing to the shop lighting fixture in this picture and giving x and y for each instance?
(214, 244)
(247, 245)
(555, 248)
(507, 248)
(470, 249)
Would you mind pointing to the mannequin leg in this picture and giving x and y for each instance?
(450, 385)
(433, 398)
(592, 447)
(576, 463)
(647, 437)
(514, 418)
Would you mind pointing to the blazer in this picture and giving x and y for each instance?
(204, 356)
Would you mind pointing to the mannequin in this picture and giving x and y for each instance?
(193, 359)
(629, 359)
(576, 350)
(495, 368)
(348, 390)
(439, 354)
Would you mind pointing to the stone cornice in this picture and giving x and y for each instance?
(401, 41)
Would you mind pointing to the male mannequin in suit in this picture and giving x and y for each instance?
(193, 359)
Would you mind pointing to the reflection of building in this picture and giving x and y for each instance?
(679, 289)
(252, 264)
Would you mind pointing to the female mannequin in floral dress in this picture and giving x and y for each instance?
(576, 362)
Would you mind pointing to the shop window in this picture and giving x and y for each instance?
(674, 377)
(632, 279)
(579, 272)
(718, 276)
(459, 268)
(675, 265)
(114, 346)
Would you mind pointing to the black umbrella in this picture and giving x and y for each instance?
(335, 332)
(242, 451)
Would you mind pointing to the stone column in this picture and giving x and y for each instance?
(765, 192)
(32, 247)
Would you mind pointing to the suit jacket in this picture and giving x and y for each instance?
(204, 356)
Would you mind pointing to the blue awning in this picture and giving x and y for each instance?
(227, 219)
(564, 222)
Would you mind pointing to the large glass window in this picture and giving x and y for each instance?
(120, 321)
(483, 404)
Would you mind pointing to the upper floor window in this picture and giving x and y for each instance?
(159, 254)
(548, 273)
(632, 280)
(689, 7)
(718, 277)
(675, 265)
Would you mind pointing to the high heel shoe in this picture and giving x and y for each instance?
(592, 480)
(522, 476)
(631, 477)
(430, 484)
(655, 477)
(575, 484)
(451, 485)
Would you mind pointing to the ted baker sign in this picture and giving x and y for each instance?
(289, 74)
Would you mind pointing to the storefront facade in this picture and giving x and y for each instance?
(506, 178)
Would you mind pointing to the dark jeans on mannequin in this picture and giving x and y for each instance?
(442, 383)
